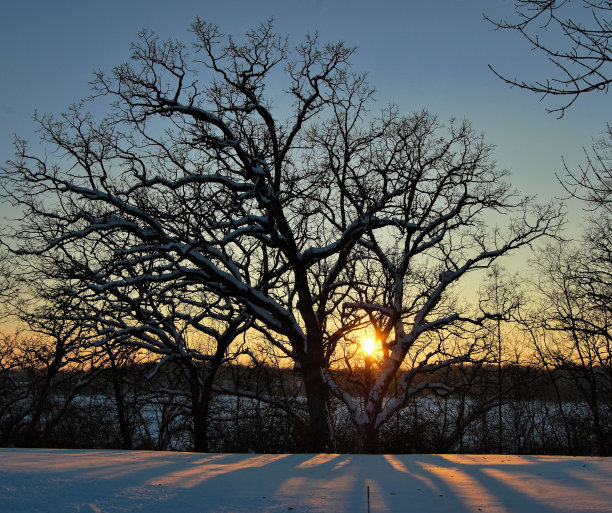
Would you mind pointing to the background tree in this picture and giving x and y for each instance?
(501, 295)
(8, 289)
(174, 321)
(581, 53)
(44, 369)
(578, 318)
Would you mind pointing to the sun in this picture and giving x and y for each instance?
(368, 345)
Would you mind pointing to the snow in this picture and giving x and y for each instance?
(93, 481)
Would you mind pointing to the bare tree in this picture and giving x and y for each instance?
(198, 343)
(577, 313)
(297, 205)
(10, 287)
(501, 295)
(181, 322)
(575, 280)
(575, 36)
(44, 369)
(591, 183)
(436, 189)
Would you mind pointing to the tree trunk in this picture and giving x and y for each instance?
(199, 412)
(124, 427)
(600, 437)
(32, 437)
(200, 403)
(367, 439)
(321, 435)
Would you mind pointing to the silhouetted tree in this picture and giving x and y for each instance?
(578, 316)
(259, 173)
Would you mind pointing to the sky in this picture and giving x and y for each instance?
(432, 55)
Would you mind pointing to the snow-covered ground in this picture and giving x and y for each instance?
(50, 481)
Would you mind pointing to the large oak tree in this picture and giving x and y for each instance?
(260, 172)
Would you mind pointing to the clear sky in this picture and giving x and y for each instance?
(431, 54)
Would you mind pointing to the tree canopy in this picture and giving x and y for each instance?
(298, 207)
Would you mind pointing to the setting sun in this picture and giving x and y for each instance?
(368, 345)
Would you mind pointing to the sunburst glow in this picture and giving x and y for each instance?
(368, 345)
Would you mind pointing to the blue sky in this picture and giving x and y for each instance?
(430, 54)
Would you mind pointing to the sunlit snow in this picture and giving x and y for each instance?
(40, 480)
